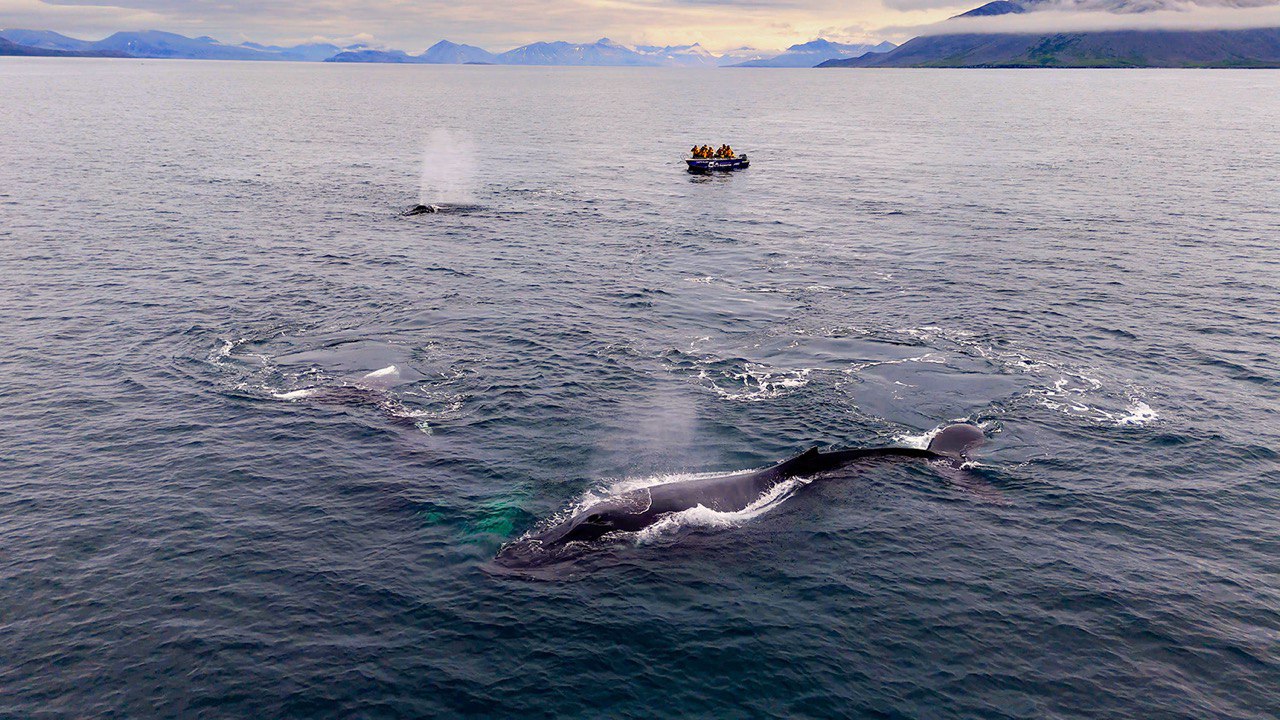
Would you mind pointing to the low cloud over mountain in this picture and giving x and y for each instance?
(1094, 33)
(1046, 16)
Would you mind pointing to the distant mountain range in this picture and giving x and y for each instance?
(160, 44)
(603, 52)
(8, 47)
(815, 52)
(1110, 48)
(1255, 48)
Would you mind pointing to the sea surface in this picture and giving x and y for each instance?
(262, 436)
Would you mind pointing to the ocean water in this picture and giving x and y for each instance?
(263, 436)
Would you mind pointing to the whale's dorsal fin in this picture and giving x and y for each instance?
(802, 464)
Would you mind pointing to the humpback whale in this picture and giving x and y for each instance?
(638, 509)
(372, 390)
(450, 208)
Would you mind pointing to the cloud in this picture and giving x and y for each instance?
(343, 41)
(908, 5)
(41, 15)
(1111, 15)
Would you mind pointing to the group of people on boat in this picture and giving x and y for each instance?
(705, 152)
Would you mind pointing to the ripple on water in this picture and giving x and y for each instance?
(912, 376)
(342, 368)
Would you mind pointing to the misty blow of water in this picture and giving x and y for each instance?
(448, 169)
(264, 435)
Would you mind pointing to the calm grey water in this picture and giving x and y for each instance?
(219, 499)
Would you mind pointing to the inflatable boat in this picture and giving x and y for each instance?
(711, 164)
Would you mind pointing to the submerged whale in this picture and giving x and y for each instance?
(371, 390)
(449, 208)
(638, 509)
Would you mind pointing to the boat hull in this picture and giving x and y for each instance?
(702, 165)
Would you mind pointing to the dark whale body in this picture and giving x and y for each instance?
(638, 509)
(449, 208)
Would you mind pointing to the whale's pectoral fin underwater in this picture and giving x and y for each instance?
(371, 390)
(639, 509)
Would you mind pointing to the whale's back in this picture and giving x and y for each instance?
(957, 441)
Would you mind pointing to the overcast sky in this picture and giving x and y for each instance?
(494, 24)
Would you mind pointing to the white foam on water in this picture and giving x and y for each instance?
(219, 355)
(926, 333)
(703, 517)
(1075, 391)
(295, 394)
(698, 516)
(695, 517)
(929, 357)
(1140, 413)
(1084, 396)
(620, 486)
(400, 410)
(757, 382)
(919, 441)
(259, 375)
